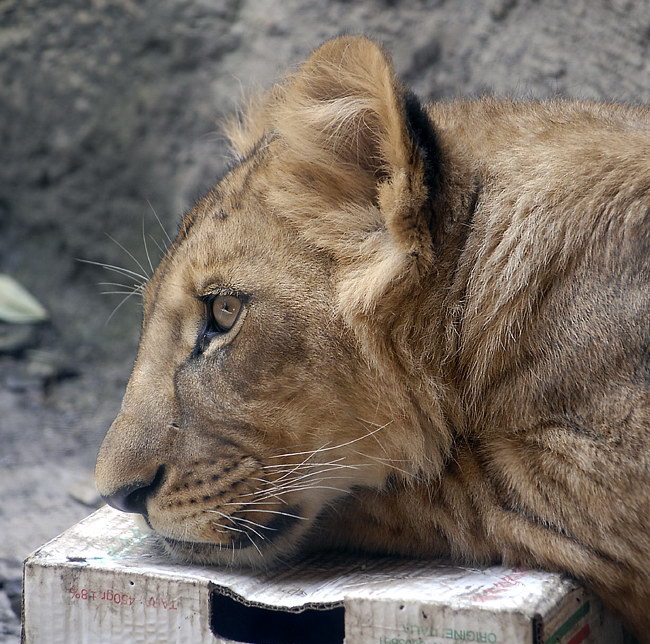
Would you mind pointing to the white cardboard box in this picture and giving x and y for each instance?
(104, 582)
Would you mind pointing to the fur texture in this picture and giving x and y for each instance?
(443, 349)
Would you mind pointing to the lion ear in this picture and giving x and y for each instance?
(356, 170)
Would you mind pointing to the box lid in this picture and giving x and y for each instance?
(109, 567)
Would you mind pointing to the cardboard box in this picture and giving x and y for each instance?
(104, 582)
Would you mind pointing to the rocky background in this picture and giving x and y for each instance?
(108, 114)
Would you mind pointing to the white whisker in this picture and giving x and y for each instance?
(232, 518)
(254, 544)
(160, 248)
(300, 488)
(131, 292)
(117, 269)
(286, 514)
(146, 249)
(128, 252)
(383, 449)
(324, 448)
(155, 214)
(302, 464)
(319, 472)
(254, 523)
(389, 462)
(134, 285)
(117, 308)
(310, 453)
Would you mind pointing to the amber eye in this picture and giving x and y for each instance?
(225, 311)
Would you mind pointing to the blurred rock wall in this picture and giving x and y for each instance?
(108, 110)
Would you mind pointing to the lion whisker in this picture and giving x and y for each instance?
(120, 293)
(325, 447)
(302, 464)
(309, 453)
(130, 254)
(291, 484)
(214, 523)
(289, 465)
(158, 246)
(317, 472)
(254, 523)
(233, 529)
(117, 308)
(314, 487)
(243, 504)
(155, 214)
(383, 449)
(146, 249)
(298, 488)
(304, 461)
(286, 514)
(389, 463)
(302, 477)
(246, 528)
(254, 544)
(134, 286)
(116, 269)
(230, 517)
(335, 463)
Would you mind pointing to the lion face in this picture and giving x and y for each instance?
(238, 424)
(263, 388)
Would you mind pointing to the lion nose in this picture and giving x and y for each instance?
(133, 497)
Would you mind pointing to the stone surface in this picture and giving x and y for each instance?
(10, 600)
(108, 112)
(9, 624)
(84, 491)
(111, 106)
(15, 338)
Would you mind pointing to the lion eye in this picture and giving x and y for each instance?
(225, 311)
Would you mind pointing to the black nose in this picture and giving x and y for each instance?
(133, 497)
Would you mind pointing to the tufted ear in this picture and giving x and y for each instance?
(356, 164)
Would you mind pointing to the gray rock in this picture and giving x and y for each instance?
(109, 108)
(15, 338)
(10, 599)
(9, 621)
(84, 491)
(48, 365)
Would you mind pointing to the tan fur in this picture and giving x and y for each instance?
(443, 350)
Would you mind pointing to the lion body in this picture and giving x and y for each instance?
(443, 346)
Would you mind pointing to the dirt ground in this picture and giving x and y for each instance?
(52, 420)
(108, 111)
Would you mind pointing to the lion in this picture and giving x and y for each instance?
(405, 329)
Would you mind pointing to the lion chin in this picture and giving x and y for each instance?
(403, 328)
(255, 547)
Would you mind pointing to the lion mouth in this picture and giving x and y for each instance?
(282, 524)
(249, 542)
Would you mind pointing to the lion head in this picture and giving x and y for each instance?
(268, 383)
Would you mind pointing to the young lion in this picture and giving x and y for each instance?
(406, 329)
